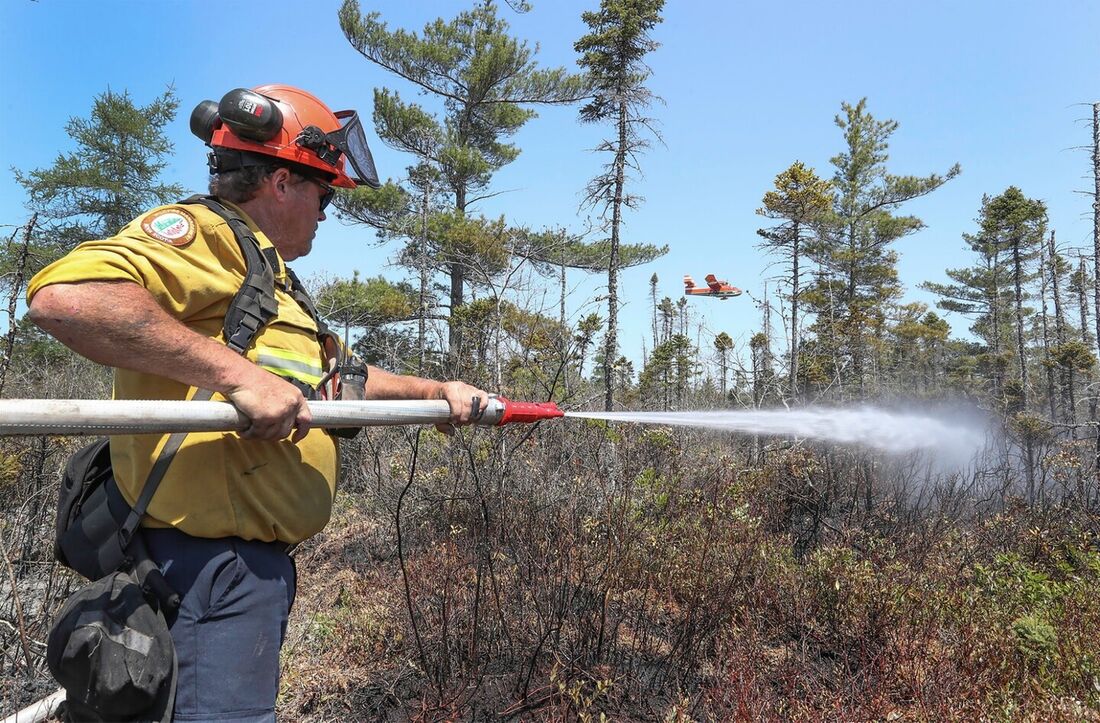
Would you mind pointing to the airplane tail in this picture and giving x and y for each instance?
(688, 282)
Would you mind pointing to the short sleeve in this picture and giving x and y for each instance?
(181, 263)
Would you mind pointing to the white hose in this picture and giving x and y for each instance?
(126, 416)
(40, 710)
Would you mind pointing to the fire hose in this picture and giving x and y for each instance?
(128, 416)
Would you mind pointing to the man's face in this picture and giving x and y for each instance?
(301, 213)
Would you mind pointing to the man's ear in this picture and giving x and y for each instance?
(280, 182)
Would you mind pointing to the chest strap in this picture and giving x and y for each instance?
(254, 305)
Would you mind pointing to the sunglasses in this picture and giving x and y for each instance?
(329, 191)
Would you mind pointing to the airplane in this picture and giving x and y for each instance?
(714, 287)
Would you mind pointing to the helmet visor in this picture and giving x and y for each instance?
(352, 142)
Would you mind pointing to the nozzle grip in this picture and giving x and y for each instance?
(527, 412)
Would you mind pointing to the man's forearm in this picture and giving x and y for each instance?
(459, 396)
(119, 324)
(381, 384)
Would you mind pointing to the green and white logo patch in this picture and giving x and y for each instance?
(173, 226)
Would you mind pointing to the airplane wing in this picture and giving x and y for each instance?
(713, 282)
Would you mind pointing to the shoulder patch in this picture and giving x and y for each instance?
(173, 226)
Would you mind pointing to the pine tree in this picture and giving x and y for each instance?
(15, 264)
(918, 350)
(486, 81)
(864, 225)
(762, 373)
(802, 201)
(586, 332)
(613, 54)
(112, 175)
(1056, 266)
(983, 293)
(355, 303)
(723, 343)
(1080, 282)
(667, 311)
(653, 280)
(1017, 224)
(671, 367)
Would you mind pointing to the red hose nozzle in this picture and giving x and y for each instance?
(525, 411)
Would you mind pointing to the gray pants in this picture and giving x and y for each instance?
(235, 599)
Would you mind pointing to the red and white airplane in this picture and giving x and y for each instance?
(714, 287)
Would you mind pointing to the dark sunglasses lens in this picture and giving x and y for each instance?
(326, 199)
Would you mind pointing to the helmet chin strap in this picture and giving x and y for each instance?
(224, 160)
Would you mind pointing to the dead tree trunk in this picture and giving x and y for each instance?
(1096, 215)
(794, 313)
(1021, 350)
(1048, 364)
(1069, 402)
(1086, 336)
(611, 348)
(1096, 259)
(422, 301)
(15, 291)
(562, 328)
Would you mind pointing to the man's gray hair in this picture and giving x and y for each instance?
(240, 185)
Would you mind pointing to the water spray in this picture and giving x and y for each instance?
(954, 437)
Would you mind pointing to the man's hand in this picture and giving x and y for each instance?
(460, 397)
(274, 406)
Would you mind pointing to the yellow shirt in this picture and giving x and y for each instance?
(218, 485)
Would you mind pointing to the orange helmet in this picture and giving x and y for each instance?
(252, 127)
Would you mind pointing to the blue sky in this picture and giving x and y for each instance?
(999, 86)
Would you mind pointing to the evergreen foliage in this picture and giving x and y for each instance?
(484, 79)
(112, 175)
(613, 54)
(859, 278)
(354, 303)
(801, 201)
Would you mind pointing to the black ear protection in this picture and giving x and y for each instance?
(247, 113)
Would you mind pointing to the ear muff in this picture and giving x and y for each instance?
(204, 120)
(248, 114)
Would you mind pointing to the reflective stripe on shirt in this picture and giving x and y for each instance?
(291, 364)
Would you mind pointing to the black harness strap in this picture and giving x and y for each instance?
(254, 305)
(298, 292)
(156, 474)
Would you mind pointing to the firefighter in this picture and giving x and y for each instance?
(175, 305)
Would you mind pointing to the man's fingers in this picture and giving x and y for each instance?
(276, 409)
(302, 425)
(281, 427)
